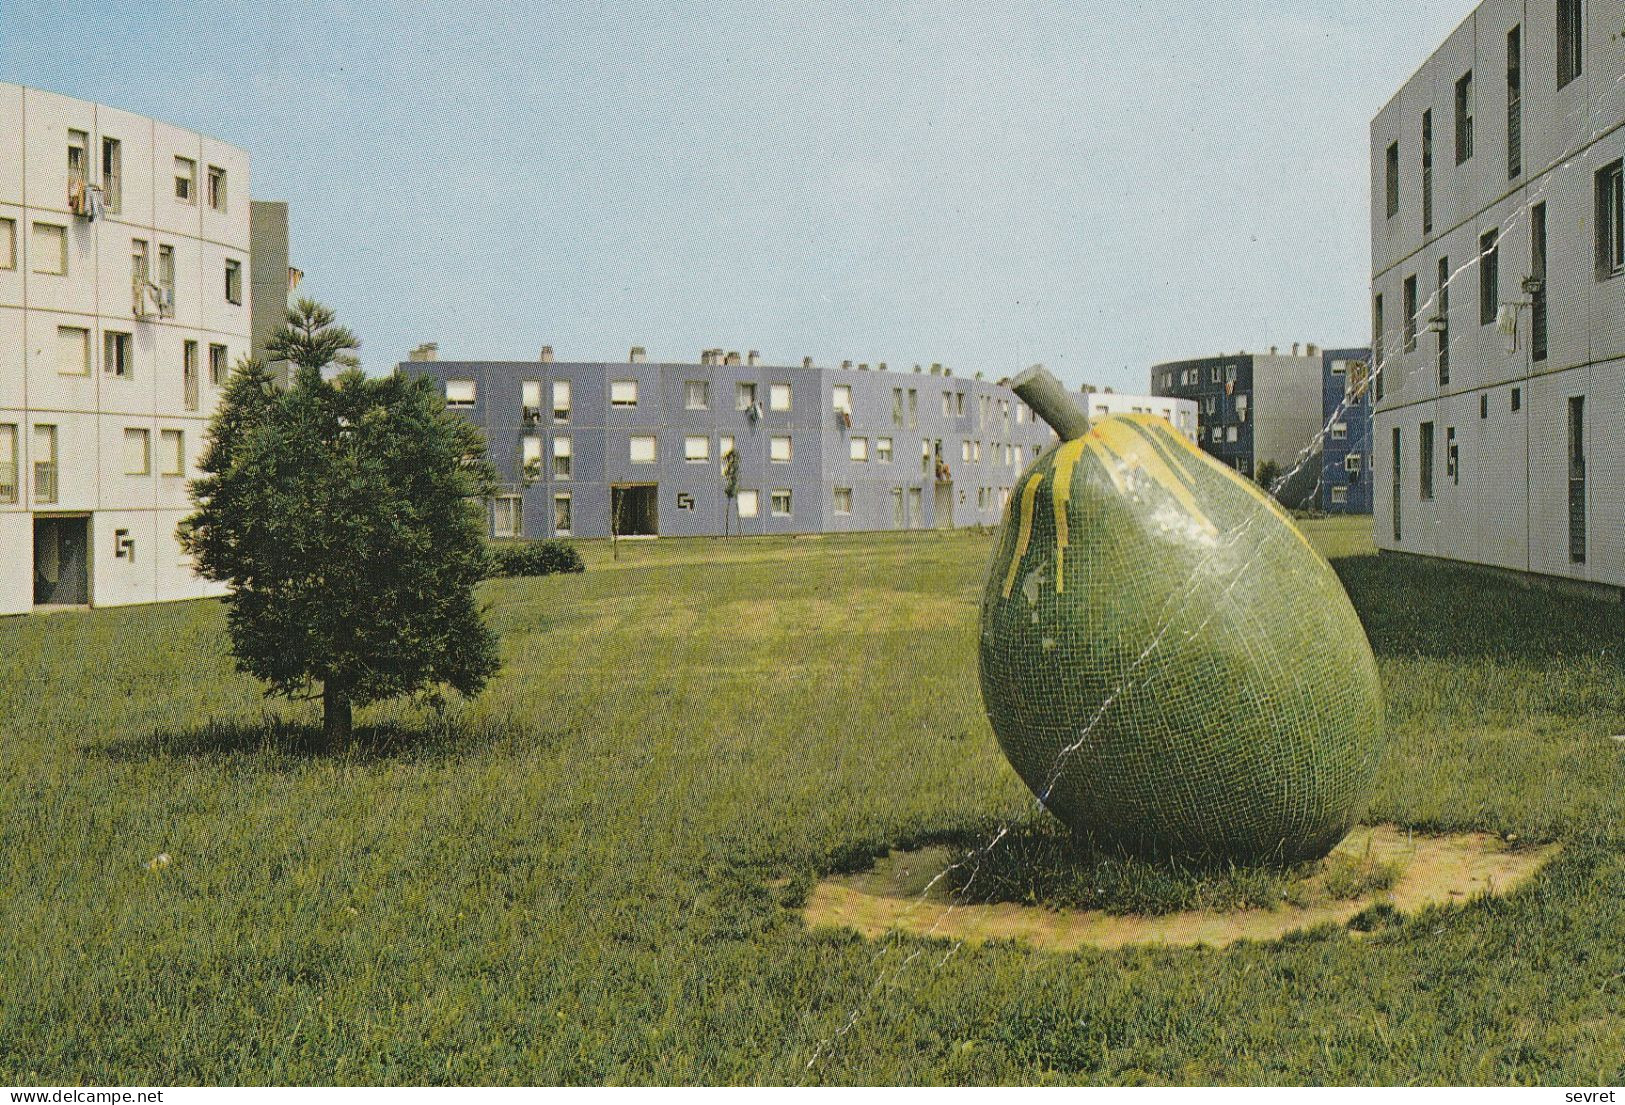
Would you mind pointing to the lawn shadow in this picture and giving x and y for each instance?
(277, 740)
(1450, 611)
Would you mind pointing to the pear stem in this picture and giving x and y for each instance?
(1049, 400)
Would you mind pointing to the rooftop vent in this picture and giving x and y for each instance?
(806, 362)
(638, 355)
(936, 368)
(1311, 350)
(1294, 349)
(547, 354)
(846, 364)
(881, 367)
(732, 358)
(753, 358)
(428, 351)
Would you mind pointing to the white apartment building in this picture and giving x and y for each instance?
(1181, 413)
(124, 300)
(1498, 295)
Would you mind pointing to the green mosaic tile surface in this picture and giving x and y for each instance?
(1166, 661)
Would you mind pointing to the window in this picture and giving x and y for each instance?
(459, 393)
(1021, 413)
(1340, 430)
(166, 277)
(1427, 171)
(1230, 434)
(49, 251)
(1395, 496)
(218, 370)
(1489, 277)
(561, 400)
(530, 456)
(858, 449)
(118, 354)
(1442, 325)
(641, 449)
(8, 462)
(73, 351)
(744, 396)
(1610, 221)
(562, 522)
(725, 445)
(1514, 102)
(778, 450)
(697, 449)
(1340, 494)
(217, 188)
(843, 500)
(896, 406)
(976, 452)
(137, 453)
(1537, 270)
(8, 243)
(1464, 117)
(1577, 480)
(78, 160)
(749, 503)
(1452, 469)
(112, 175)
(964, 451)
(1483, 406)
(916, 508)
(623, 393)
(1517, 399)
(1569, 41)
(778, 397)
(842, 398)
(781, 502)
(506, 516)
(234, 281)
(189, 378)
(1376, 342)
(913, 409)
(172, 452)
(186, 180)
(1392, 178)
(883, 450)
(1410, 314)
(897, 519)
(1352, 464)
(1021, 452)
(1425, 460)
(530, 400)
(44, 464)
(947, 404)
(138, 262)
(563, 457)
(697, 395)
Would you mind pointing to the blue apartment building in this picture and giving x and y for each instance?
(587, 449)
(1346, 476)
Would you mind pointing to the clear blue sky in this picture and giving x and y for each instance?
(984, 184)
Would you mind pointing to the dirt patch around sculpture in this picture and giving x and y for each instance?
(908, 892)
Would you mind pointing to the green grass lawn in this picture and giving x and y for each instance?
(568, 880)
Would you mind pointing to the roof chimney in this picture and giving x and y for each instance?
(428, 351)
(806, 362)
(936, 368)
(753, 358)
(1274, 349)
(863, 366)
(881, 367)
(1294, 349)
(916, 368)
(1311, 349)
(732, 358)
(547, 354)
(846, 364)
(637, 356)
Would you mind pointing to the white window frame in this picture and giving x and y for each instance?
(172, 451)
(744, 395)
(142, 439)
(82, 360)
(561, 400)
(569, 510)
(749, 502)
(697, 449)
(185, 180)
(781, 450)
(697, 395)
(841, 398)
(883, 450)
(643, 449)
(773, 503)
(8, 245)
(57, 251)
(857, 450)
(780, 397)
(461, 394)
(563, 450)
(843, 493)
(623, 394)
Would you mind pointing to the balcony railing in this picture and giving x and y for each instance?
(45, 481)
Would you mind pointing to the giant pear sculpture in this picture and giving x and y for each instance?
(1166, 661)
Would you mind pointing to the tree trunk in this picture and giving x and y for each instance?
(336, 717)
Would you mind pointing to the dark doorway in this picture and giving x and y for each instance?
(61, 561)
(633, 510)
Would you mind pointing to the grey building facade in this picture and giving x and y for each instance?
(585, 449)
(1252, 408)
(1498, 295)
